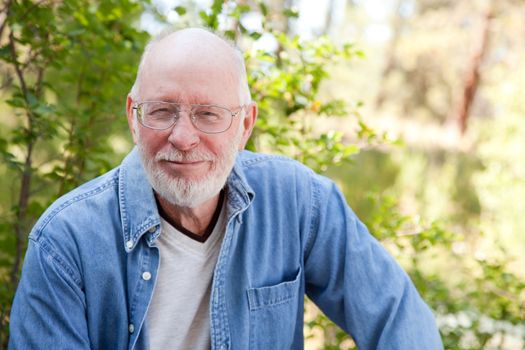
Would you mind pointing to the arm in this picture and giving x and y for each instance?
(358, 285)
(49, 308)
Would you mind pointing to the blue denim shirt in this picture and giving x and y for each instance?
(289, 232)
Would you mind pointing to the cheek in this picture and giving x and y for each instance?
(218, 145)
(150, 143)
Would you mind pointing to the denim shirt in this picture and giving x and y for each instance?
(92, 263)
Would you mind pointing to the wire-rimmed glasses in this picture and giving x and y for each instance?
(161, 115)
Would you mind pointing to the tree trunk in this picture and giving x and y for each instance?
(472, 76)
(27, 172)
(21, 217)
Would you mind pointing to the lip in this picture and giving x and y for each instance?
(181, 166)
(195, 162)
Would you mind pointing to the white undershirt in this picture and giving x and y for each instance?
(178, 317)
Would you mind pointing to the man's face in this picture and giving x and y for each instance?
(184, 165)
(189, 177)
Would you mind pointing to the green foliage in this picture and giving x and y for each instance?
(286, 85)
(69, 66)
(478, 300)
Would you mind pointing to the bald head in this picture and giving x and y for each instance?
(191, 54)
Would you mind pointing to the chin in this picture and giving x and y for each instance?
(184, 192)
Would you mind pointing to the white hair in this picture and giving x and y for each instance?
(244, 90)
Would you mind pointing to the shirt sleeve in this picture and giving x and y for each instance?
(358, 285)
(48, 311)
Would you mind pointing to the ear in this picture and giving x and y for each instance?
(131, 119)
(249, 120)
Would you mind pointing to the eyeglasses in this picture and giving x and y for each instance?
(209, 119)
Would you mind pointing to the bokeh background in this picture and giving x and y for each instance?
(415, 107)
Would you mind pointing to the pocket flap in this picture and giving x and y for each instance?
(273, 295)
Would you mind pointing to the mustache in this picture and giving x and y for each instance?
(175, 155)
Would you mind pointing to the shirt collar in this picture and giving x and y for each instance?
(138, 210)
(240, 193)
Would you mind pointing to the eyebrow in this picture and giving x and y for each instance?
(199, 99)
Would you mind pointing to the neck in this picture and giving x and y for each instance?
(195, 219)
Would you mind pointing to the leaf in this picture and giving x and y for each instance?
(244, 8)
(255, 35)
(264, 8)
(216, 7)
(16, 102)
(181, 10)
(5, 52)
(81, 18)
(76, 32)
(204, 16)
(291, 13)
(230, 34)
(32, 100)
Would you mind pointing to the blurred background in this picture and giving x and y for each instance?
(415, 107)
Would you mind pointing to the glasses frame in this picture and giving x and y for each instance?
(138, 107)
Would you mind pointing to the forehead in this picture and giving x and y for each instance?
(195, 68)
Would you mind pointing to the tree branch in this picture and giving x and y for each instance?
(18, 70)
(7, 10)
(27, 172)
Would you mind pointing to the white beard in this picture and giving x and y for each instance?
(185, 192)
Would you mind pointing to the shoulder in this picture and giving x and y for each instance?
(282, 182)
(274, 166)
(278, 169)
(75, 224)
(81, 202)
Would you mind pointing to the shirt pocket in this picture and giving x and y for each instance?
(273, 314)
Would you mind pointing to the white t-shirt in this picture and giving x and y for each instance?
(178, 317)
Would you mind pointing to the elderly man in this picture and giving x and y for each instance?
(192, 244)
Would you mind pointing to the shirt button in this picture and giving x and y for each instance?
(129, 244)
(152, 229)
(131, 328)
(146, 276)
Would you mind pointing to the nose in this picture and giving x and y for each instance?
(184, 136)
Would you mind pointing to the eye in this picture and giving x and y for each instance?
(160, 111)
(209, 114)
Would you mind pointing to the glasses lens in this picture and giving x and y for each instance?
(158, 115)
(211, 119)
